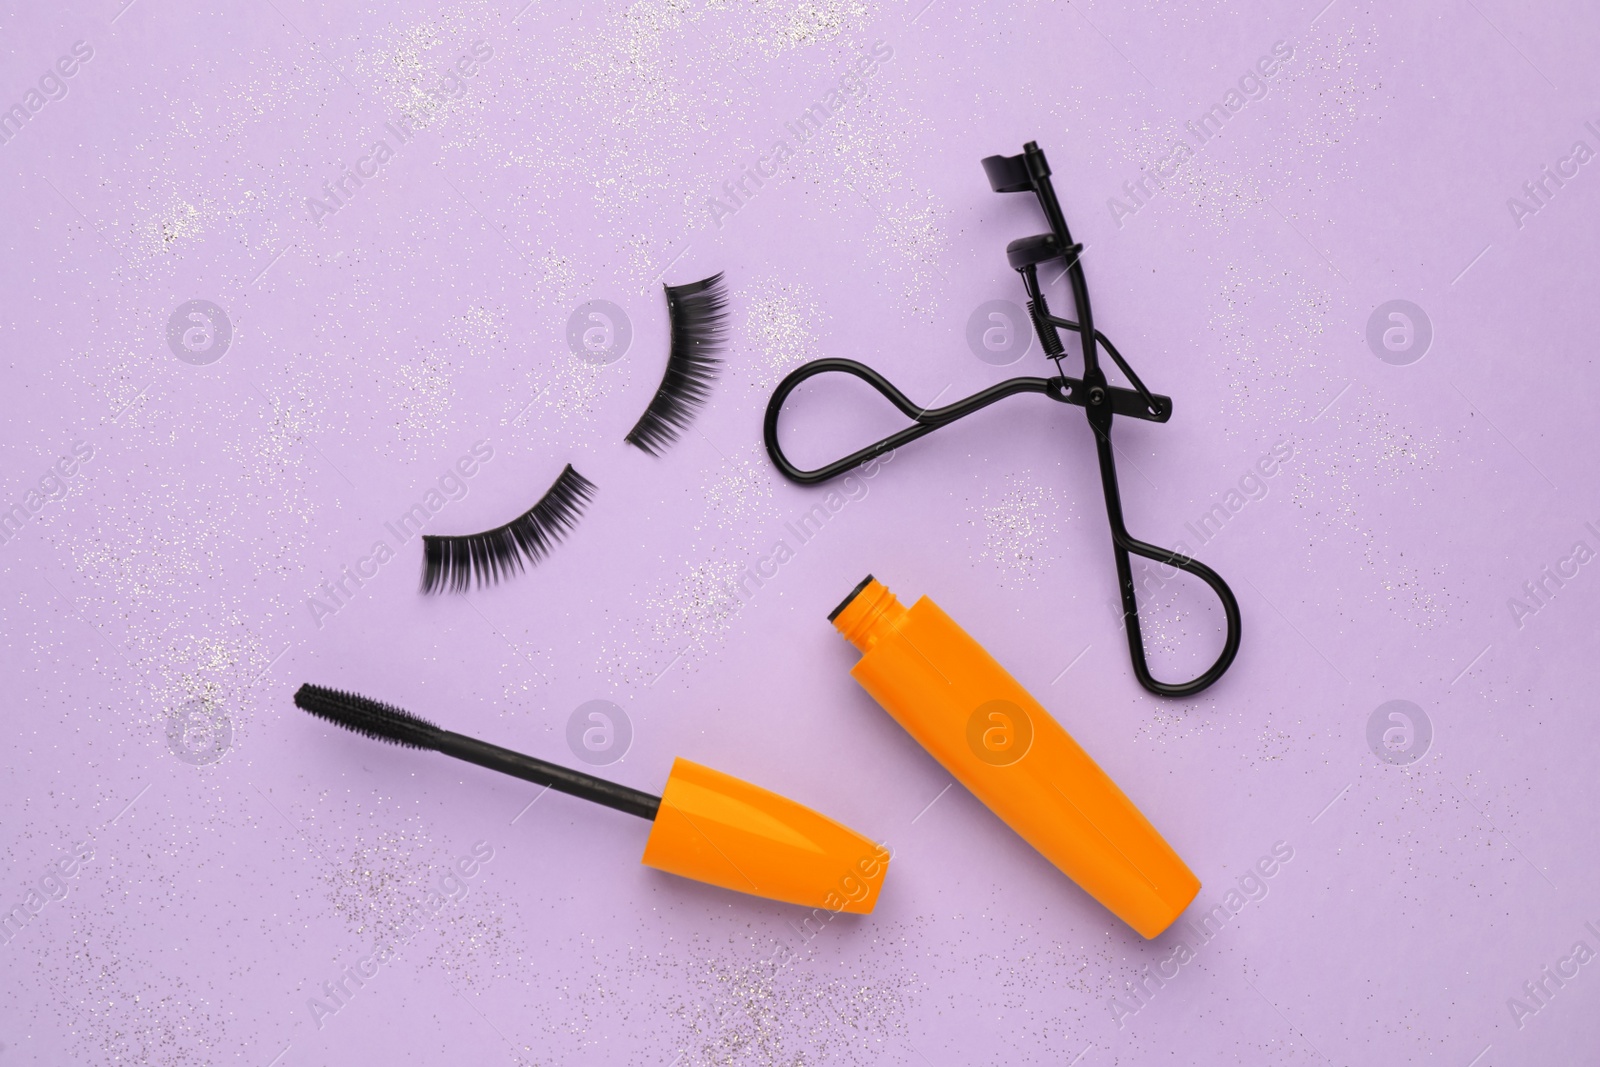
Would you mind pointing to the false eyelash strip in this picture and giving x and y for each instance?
(452, 563)
(698, 313)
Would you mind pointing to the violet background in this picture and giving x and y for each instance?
(370, 351)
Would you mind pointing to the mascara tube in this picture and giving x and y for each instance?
(999, 742)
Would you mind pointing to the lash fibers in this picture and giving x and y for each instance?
(1000, 743)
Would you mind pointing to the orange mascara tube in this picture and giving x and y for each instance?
(999, 742)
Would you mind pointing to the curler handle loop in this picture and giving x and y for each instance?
(924, 420)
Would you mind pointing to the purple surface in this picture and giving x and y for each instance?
(236, 870)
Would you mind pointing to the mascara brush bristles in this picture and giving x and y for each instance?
(454, 563)
(385, 722)
(698, 313)
(367, 717)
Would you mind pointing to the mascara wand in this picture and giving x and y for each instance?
(706, 825)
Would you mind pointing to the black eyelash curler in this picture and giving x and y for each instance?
(1019, 174)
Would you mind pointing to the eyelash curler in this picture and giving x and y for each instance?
(1100, 401)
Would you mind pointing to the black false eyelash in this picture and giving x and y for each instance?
(698, 313)
(454, 562)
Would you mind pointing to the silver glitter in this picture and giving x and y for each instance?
(687, 615)
(562, 397)
(1265, 373)
(480, 334)
(683, 619)
(1363, 455)
(778, 332)
(737, 492)
(863, 156)
(1019, 527)
(772, 27)
(423, 399)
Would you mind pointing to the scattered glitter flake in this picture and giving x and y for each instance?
(685, 618)
(774, 1012)
(176, 221)
(778, 334)
(737, 492)
(773, 27)
(374, 881)
(1274, 746)
(1019, 527)
(864, 157)
(863, 151)
(916, 231)
(633, 93)
(1170, 723)
(1320, 96)
(1365, 447)
(218, 669)
(276, 452)
(525, 679)
(1169, 620)
(1425, 603)
(411, 62)
(1362, 470)
(131, 1008)
(1265, 372)
(428, 388)
(558, 280)
(1205, 180)
(1343, 87)
(1393, 453)
(688, 616)
(562, 395)
(132, 561)
(480, 333)
(390, 883)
